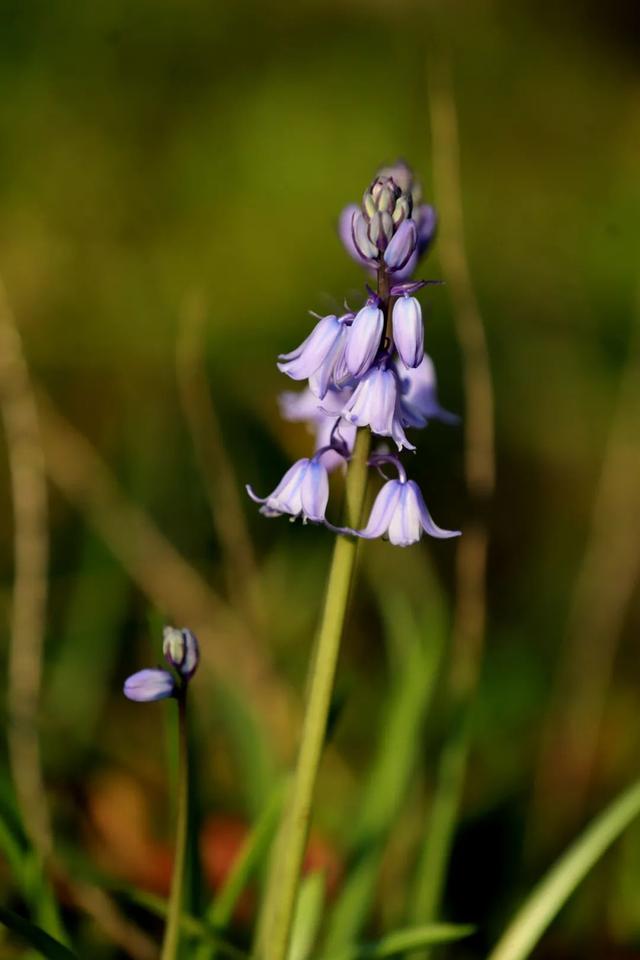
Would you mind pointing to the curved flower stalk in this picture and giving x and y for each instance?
(367, 375)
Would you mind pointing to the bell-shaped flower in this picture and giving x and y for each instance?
(364, 339)
(323, 418)
(418, 395)
(303, 491)
(375, 403)
(408, 331)
(320, 357)
(400, 514)
(146, 686)
(402, 246)
(181, 650)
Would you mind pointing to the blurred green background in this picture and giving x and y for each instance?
(167, 163)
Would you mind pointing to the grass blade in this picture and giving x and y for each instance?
(35, 936)
(550, 895)
(403, 941)
(308, 916)
(417, 646)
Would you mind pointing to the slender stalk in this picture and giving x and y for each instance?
(176, 897)
(295, 829)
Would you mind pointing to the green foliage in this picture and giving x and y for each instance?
(35, 936)
(542, 905)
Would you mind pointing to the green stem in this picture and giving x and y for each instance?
(176, 897)
(283, 886)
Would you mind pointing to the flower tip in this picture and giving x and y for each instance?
(181, 650)
(146, 686)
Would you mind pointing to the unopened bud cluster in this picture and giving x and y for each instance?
(367, 368)
(181, 651)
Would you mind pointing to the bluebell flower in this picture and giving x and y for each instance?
(399, 512)
(146, 686)
(320, 358)
(364, 338)
(408, 331)
(302, 492)
(181, 650)
(375, 403)
(418, 395)
(323, 418)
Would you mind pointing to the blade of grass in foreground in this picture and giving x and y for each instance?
(252, 853)
(401, 941)
(418, 645)
(551, 894)
(35, 936)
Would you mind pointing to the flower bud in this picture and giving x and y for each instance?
(402, 246)
(181, 650)
(408, 331)
(145, 686)
(364, 339)
(363, 244)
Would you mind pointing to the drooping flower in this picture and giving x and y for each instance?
(375, 403)
(323, 418)
(303, 491)
(320, 358)
(181, 650)
(364, 338)
(408, 331)
(400, 514)
(145, 686)
(418, 395)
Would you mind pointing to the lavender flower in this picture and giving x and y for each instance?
(303, 491)
(367, 369)
(408, 331)
(181, 650)
(146, 686)
(418, 395)
(400, 513)
(323, 418)
(320, 357)
(364, 338)
(375, 403)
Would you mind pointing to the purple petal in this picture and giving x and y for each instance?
(360, 234)
(408, 331)
(382, 510)
(345, 231)
(364, 339)
(426, 520)
(286, 497)
(315, 492)
(330, 370)
(419, 400)
(402, 246)
(305, 359)
(145, 686)
(427, 221)
(405, 526)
